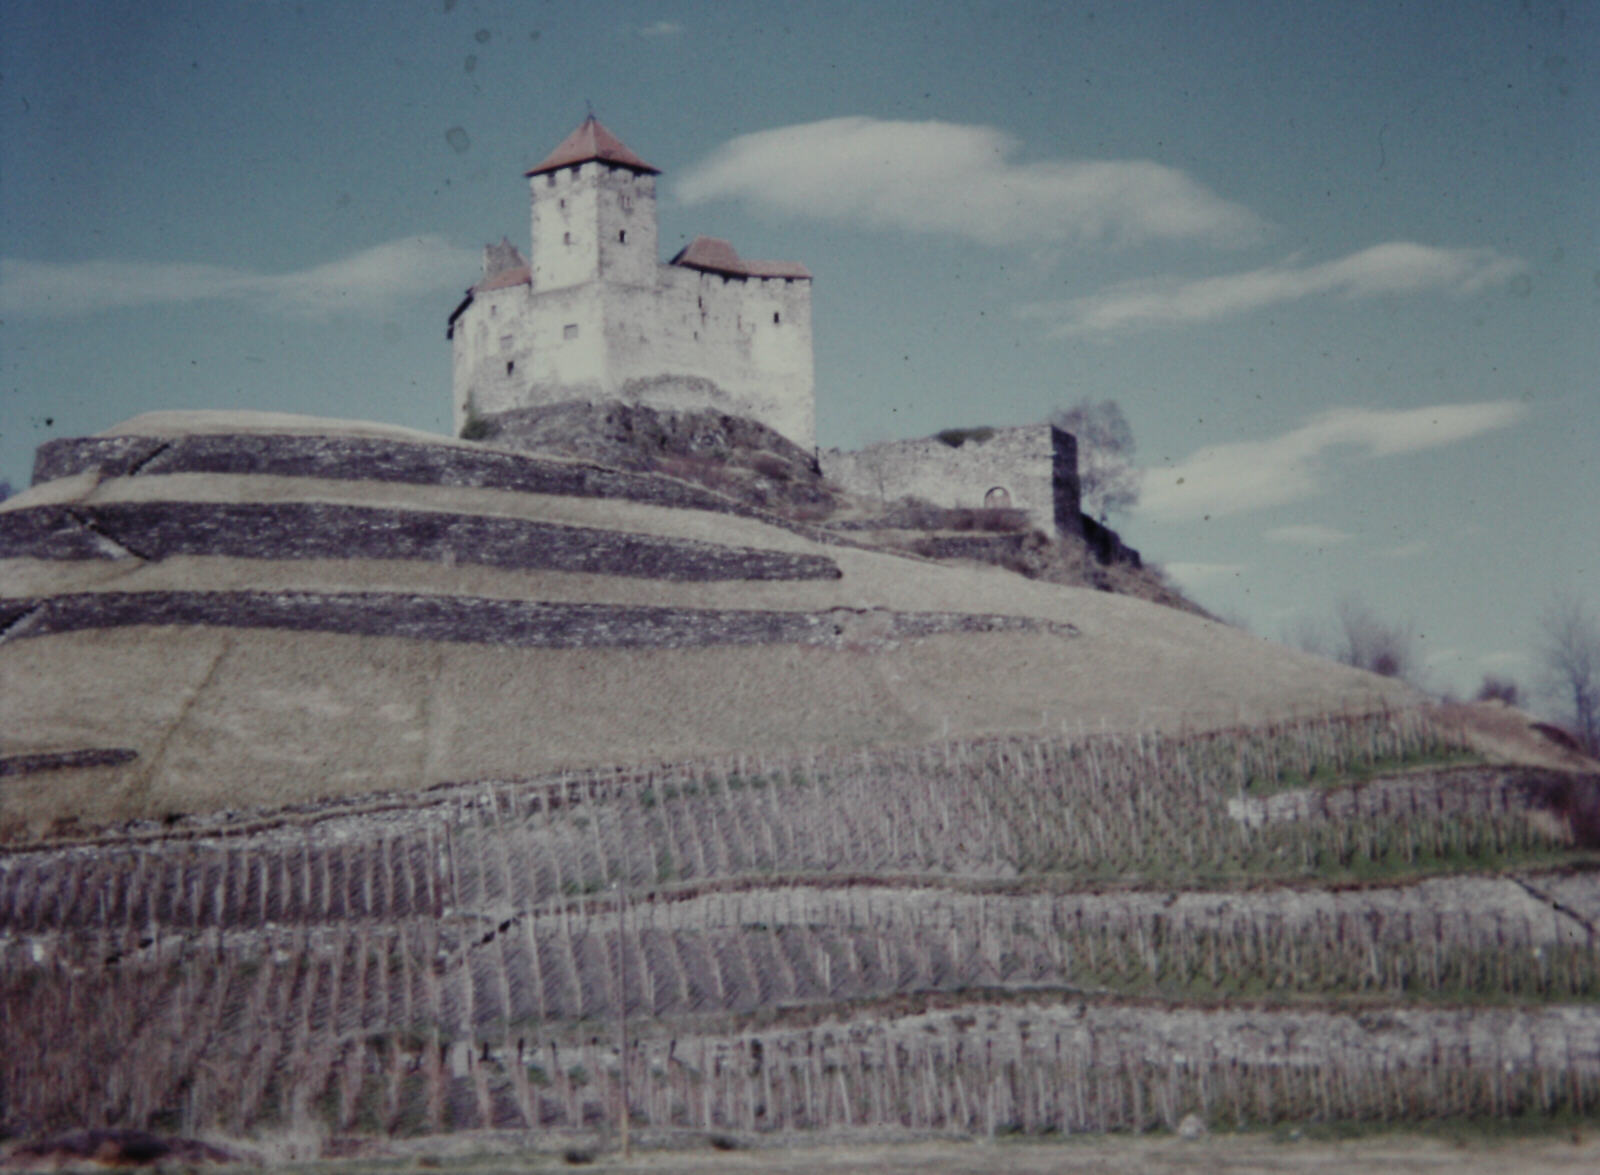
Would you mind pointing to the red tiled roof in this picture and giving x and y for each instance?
(503, 268)
(519, 276)
(714, 255)
(592, 141)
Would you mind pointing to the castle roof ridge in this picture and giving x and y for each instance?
(589, 142)
(715, 255)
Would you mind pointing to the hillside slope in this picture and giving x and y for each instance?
(1333, 921)
(361, 788)
(224, 610)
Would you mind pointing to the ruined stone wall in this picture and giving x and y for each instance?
(1032, 468)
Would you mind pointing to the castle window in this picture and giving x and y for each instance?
(563, 202)
(627, 202)
(622, 235)
(570, 331)
(999, 498)
(566, 238)
(774, 318)
(511, 365)
(505, 342)
(550, 179)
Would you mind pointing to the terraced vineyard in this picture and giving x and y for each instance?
(1347, 918)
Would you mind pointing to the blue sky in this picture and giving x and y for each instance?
(1337, 262)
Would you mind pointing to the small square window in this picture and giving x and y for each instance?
(570, 331)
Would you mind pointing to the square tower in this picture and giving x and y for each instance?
(594, 213)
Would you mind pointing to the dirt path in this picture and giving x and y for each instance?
(1236, 1155)
(1229, 1154)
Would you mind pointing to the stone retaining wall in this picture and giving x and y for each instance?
(495, 621)
(348, 458)
(66, 760)
(320, 530)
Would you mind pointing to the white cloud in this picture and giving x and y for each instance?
(660, 28)
(365, 281)
(1250, 475)
(1396, 267)
(1502, 660)
(1306, 534)
(940, 177)
(1405, 550)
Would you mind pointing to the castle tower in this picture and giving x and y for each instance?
(594, 213)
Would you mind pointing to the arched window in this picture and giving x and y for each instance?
(999, 498)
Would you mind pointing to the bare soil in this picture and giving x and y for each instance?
(1463, 1153)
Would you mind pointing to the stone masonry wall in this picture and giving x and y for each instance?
(521, 623)
(347, 458)
(323, 530)
(1035, 465)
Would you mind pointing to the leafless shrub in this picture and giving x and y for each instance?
(1108, 479)
(1367, 641)
(1570, 655)
(1498, 689)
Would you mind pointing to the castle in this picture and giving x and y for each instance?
(592, 314)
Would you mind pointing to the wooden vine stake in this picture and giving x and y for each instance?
(622, 1015)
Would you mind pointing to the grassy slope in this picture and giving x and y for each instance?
(244, 718)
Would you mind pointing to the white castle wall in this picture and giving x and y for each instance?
(601, 318)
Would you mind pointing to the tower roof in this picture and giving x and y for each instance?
(592, 141)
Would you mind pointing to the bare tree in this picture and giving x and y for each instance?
(1108, 479)
(1369, 642)
(1569, 650)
